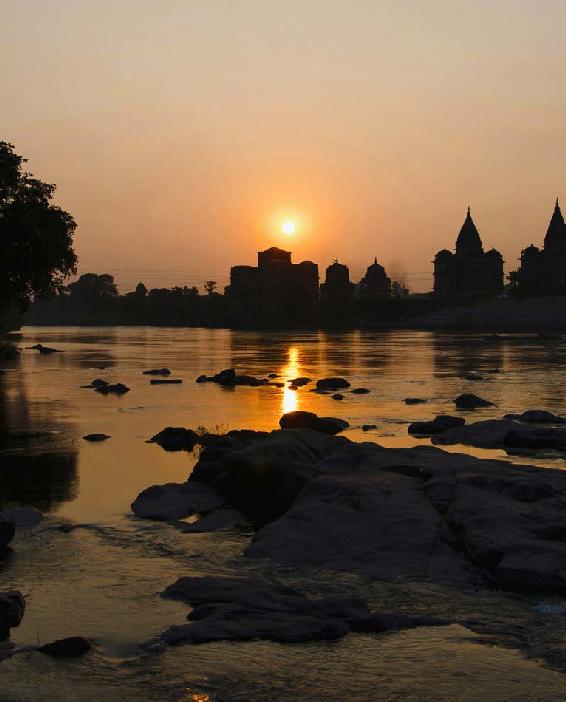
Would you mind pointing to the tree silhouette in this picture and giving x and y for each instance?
(210, 287)
(36, 237)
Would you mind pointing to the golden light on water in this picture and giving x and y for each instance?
(291, 371)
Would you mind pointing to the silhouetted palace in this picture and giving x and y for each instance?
(543, 271)
(470, 272)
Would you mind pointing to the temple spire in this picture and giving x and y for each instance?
(468, 241)
(556, 233)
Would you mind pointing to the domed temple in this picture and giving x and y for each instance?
(470, 272)
(543, 271)
(375, 283)
(337, 293)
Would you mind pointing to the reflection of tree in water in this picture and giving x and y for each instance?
(460, 355)
(38, 459)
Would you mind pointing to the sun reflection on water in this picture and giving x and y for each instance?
(290, 401)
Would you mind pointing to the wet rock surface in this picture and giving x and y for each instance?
(237, 609)
(326, 502)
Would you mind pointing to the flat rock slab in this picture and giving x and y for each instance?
(238, 609)
(157, 371)
(166, 381)
(175, 501)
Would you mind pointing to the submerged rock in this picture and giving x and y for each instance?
(71, 647)
(165, 381)
(157, 371)
(96, 383)
(309, 420)
(360, 391)
(175, 501)
(43, 349)
(471, 401)
(337, 396)
(368, 427)
(332, 384)
(96, 437)
(414, 401)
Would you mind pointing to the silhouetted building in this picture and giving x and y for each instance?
(470, 272)
(337, 291)
(375, 284)
(275, 292)
(543, 271)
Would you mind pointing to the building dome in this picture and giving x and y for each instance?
(337, 274)
(443, 255)
(468, 240)
(494, 255)
(556, 233)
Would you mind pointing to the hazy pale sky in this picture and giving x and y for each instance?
(181, 133)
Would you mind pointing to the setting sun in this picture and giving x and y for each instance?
(288, 227)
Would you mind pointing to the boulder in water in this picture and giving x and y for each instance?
(332, 384)
(157, 371)
(71, 647)
(95, 438)
(436, 426)
(309, 420)
(468, 401)
(175, 501)
(116, 389)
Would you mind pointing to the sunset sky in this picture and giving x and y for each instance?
(183, 133)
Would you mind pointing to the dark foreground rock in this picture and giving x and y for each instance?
(12, 608)
(175, 501)
(469, 401)
(234, 609)
(7, 531)
(300, 382)
(95, 438)
(310, 420)
(71, 647)
(537, 417)
(175, 439)
(23, 517)
(229, 378)
(508, 434)
(439, 424)
(326, 502)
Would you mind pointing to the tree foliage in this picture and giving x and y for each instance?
(36, 236)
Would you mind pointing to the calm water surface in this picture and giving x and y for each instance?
(102, 580)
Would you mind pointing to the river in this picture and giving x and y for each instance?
(102, 580)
